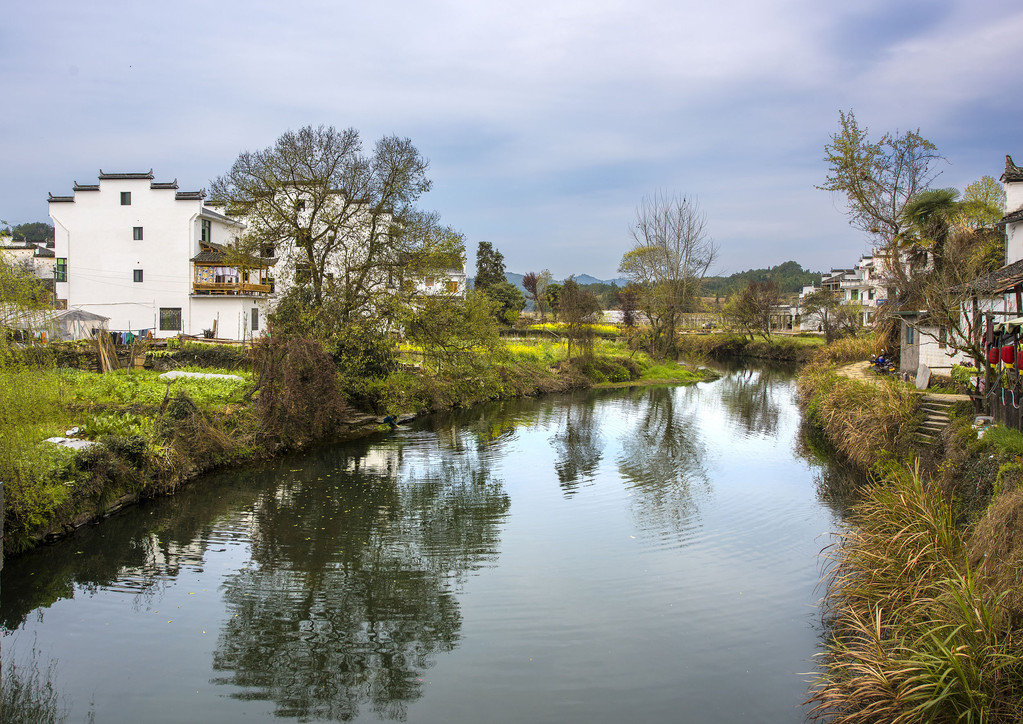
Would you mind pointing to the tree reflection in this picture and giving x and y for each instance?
(579, 446)
(839, 484)
(662, 459)
(748, 395)
(350, 592)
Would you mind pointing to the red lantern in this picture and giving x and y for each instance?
(1008, 354)
(992, 356)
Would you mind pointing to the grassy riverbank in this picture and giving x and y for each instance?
(925, 596)
(727, 345)
(151, 435)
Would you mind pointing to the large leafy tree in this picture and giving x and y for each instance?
(671, 254)
(984, 202)
(341, 221)
(33, 231)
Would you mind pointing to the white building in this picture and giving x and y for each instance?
(151, 258)
(35, 258)
(998, 294)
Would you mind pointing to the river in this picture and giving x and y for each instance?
(637, 555)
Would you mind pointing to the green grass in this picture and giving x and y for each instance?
(144, 387)
(1004, 439)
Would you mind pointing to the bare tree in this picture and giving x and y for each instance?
(878, 177)
(580, 310)
(536, 290)
(339, 220)
(751, 308)
(671, 253)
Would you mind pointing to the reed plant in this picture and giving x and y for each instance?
(913, 634)
(868, 422)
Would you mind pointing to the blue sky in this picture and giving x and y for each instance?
(545, 123)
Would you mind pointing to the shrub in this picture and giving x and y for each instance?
(297, 391)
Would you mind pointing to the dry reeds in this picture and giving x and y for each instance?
(867, 422)
(996, 551)
(914, 636)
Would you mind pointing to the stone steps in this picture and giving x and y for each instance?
(935, 410)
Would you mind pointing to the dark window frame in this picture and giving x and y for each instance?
(60, 270)
(136, 233)
(126, 198)
(136, 276)
(170, 319)
(255, 319)
(205, 230)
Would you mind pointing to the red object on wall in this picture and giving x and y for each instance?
(1008, 354)
(992, 355)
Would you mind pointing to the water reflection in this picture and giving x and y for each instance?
(352, 582)
(578, 445)
(662, 457)
(750, 398)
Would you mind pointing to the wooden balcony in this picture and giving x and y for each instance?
(230, 288)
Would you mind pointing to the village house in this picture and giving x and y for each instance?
(159, 261)
(998, 295)
(36, 258)
(153, 260)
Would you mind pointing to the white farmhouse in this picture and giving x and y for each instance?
(153, 259)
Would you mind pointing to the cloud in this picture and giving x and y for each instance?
(545, 122)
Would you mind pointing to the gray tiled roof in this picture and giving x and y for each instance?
(126, 176)
(1012, 171)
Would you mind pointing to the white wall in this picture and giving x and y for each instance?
(95, 234)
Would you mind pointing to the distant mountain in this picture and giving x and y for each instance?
(584, 279)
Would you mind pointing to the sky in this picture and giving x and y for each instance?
(545, 123)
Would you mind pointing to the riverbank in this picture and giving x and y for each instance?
(798, 348)
(924, 599)
(141, 436)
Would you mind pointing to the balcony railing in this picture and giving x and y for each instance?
(236, 288)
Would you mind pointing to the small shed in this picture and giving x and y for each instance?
(77, 324)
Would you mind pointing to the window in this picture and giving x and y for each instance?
(268, 252)
(136, 233)
(255, 319)
(910, 335)
(207, 230)
(429, 282)
(136, 276)
(126, 198)
(942, 337)
(451, 287)
(300, 206)
(303, 273)
(170, 319)
(61, 270)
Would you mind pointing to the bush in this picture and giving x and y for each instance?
(297, 393)
(360, 354)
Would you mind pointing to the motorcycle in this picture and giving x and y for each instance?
(882, 365)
